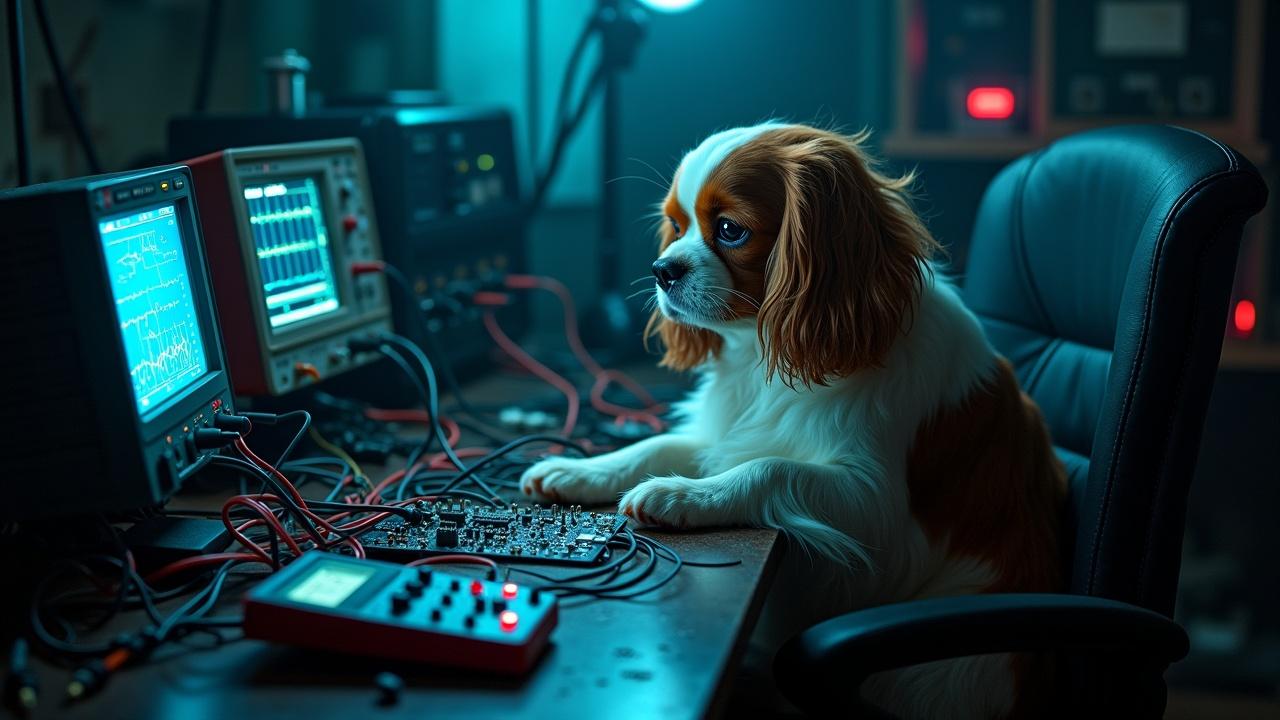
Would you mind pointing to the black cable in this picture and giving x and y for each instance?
(404, 512)
(286, 498)
(273, 419)
(297, 437)
(613, 565)
(311, 464)
(208, 52)
(402, 284)
(69, 101)
(509, 447)
(198, 605)
(433, 411)
(563, 136)
(571, 67)
(38, 607)
(461, 495)
(18, 80)
(430, 402)
(567, 122)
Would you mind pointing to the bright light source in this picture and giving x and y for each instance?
(1245, 317)
(508, 620)
(990, 103)
(669, 6)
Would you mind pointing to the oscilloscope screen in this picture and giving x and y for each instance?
(291, 242)
(150, 282)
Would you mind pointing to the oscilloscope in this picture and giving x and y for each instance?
(113, 376)
(449, 203)
(283, 224)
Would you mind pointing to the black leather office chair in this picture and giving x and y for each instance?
(1101, 266)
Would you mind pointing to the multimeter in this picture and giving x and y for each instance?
(367, 607)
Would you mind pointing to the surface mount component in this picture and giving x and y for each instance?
(560, 535)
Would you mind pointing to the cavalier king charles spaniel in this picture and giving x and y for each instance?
(847, 398)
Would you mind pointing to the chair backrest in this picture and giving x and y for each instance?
(1101, 266)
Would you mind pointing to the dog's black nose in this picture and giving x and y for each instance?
(668, 271)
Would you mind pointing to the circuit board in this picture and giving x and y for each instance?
(525, 533)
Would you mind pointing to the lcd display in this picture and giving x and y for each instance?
(329, 584)
(147, 264)
(292, 246)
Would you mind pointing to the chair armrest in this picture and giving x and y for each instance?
(840, 653)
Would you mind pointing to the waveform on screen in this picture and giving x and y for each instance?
(292, 247)
(154, 303)
(167, 354)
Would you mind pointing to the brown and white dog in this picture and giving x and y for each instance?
(847, 398)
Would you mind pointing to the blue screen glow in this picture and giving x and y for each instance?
(158, 325)
(292, 246)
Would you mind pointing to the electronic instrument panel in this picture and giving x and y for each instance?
(365, 607)
(285, 224)
(449, 208)
(554, 534)
(121, 373)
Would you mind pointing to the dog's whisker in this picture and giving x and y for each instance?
(642, 292)
(661, 178)
(642, 278)
(740, 295)
(649, 180)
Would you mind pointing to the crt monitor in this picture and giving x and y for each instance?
(116, 379)
(284, 226)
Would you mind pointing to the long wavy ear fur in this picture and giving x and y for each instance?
(849, 262)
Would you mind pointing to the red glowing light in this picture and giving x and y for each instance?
(1245, 317)
(508, 620)
(509, 590)
(990, 103)
(477, 587)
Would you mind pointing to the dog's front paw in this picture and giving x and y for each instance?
(580, 480)
(677, 502)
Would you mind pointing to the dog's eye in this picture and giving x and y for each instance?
(730, 233)
(674, 225)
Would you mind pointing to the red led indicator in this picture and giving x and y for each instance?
(510, 590)
(508, 619)
(477, 588)
(217, 403)
(1245, 317)
(990, 103)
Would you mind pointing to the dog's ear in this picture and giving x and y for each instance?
(848, 265)
(684, 347)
